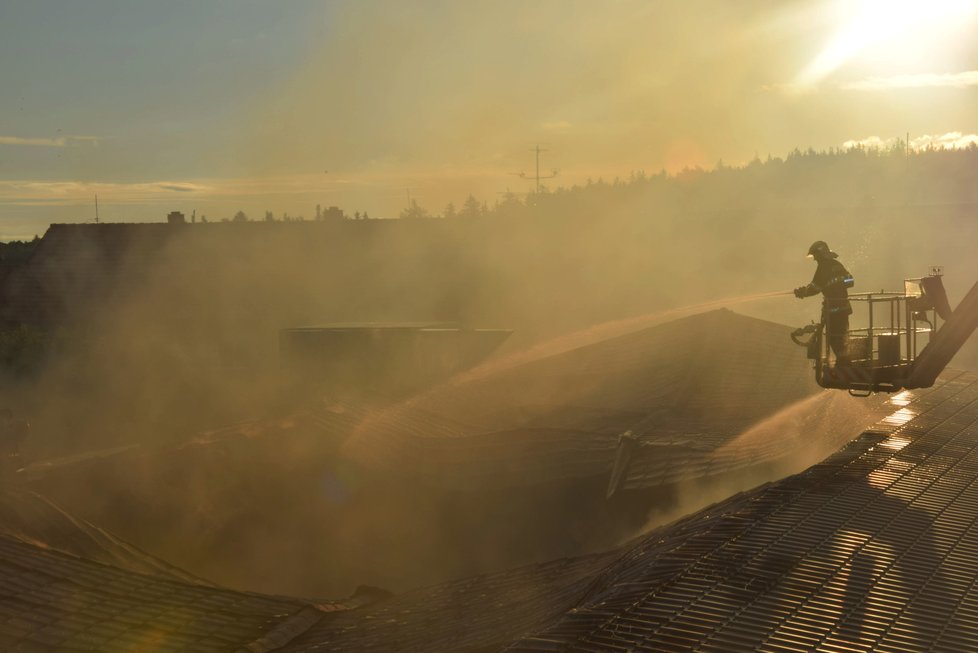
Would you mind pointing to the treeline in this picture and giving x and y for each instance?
(848, 177)
(838, 177)
(17, 251)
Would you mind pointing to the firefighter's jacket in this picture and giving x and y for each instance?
(832, 280)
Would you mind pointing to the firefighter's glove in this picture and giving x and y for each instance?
(800, 292)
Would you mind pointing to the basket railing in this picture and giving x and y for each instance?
(884, 329)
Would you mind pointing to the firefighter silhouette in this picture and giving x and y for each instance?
(832, 280)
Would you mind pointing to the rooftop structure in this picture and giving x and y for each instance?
(521, 452)
(33, 519)
(873, 549)
(381, 360)
(683, 391)
(57, 602)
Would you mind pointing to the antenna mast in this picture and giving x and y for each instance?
(537, 178)
(96, 208)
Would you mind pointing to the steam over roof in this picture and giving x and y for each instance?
(685, 390)
(875, 548)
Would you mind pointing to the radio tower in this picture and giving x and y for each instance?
(537, 176)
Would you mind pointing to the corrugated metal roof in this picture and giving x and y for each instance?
(804, 432)
(50, 601)
(479, 613)
(31, 518)
(751, 572)
(874, 549)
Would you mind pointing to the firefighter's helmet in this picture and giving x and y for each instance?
(820, 250)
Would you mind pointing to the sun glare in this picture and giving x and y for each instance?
(892, 30)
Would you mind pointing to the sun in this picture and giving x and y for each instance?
(898, 31)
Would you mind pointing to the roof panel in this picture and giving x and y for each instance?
(87, 606)
(839, 557)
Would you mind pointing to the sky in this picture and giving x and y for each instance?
(217, 106)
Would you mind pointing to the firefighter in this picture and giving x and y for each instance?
(833, 281)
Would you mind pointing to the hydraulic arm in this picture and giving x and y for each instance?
(944, 344)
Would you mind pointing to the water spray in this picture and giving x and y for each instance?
(603, 331)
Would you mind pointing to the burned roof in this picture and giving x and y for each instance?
(689, 386)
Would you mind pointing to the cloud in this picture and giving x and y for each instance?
(25, 192)
(922, 80)
(34, 142)
(948, 141)
(180, 188)
(61, 141)
(869, 143)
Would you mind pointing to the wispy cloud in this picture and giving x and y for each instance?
(68, 192)
(61, 141)
(922, 80)
(26, 192)
(869, 143)
(179, 188)
(948, 141)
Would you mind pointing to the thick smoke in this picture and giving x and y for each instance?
(153, 334)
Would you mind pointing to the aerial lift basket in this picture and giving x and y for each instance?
(902, 340)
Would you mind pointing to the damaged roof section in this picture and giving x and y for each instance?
(683, 391)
